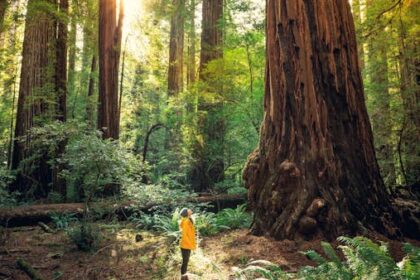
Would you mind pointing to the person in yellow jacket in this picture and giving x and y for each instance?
(188, 242)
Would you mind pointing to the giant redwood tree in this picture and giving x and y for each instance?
(314, 172)
(42, 94)
(110, 34)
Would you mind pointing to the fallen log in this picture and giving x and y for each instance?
(34, 214)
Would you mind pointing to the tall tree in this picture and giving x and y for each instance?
(211, 34)
(110, 35)
(211, 128)
(191, 65)
(315, 172)
(409, 66)
(377, 90)
(176, 48)
(36, 94)
(61, 60)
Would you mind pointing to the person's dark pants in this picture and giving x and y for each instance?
(185, 258)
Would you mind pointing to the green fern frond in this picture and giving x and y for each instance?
(330, 252)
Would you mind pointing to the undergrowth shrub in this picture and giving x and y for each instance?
(63, 220)
(206, 223)
(86, 236)
(363, 259)
(6, 177)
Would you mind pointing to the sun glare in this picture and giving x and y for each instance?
(133, 14)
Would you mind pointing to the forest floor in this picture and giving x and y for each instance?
(119, 256)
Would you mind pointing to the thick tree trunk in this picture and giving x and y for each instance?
(36, 83)
(211, 34)
(191, 65)
(110, 33)
(176, 48)
(209, 154)
(315, 172)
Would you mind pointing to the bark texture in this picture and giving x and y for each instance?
(315, 172)
(211, 34)
(36, 94)
(176, 48)
(110, 32)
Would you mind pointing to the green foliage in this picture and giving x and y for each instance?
(234, 218)
(206, 223)
(92, 163)
(363, 259)
(151, 194)
(85, 236)
(6, 198)
(63, 220)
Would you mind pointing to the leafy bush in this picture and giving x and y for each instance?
(156, 194)
(206, 224)
(6, 177)
(63, 220)
(364, 259)
(86, 236)
(92, 163)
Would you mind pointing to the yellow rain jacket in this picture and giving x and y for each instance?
(187, 234)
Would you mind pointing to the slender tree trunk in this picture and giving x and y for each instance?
(61, 61)
(122, 80)
(191, 65)
(36, 82)
(209, 153)
(176, 49)
(59, 185)
(110, 32)
(72, 37)
(91, 89)
(357, 14)
(315, 172)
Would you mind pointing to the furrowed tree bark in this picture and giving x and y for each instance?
(191, 65)
(208, 152)
(110, 32)
(176, 48)
(315, 173)
(36, 93)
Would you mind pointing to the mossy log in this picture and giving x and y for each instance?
(28, 269)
